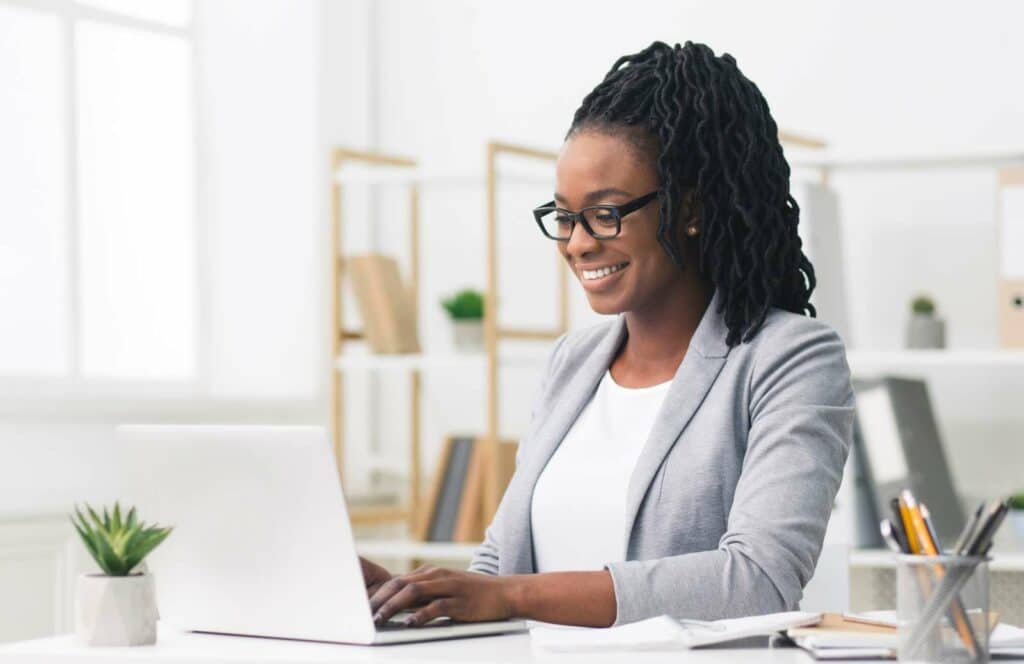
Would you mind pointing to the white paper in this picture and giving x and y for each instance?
(1011, 234)
(664, 632)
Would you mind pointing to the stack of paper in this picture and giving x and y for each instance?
(874, 635)
(665, 632)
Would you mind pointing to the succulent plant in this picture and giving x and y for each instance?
(467, 304)
(1017, 501)
(923, 305)
(117, 545)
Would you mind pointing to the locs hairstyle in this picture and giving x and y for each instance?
(713, 136)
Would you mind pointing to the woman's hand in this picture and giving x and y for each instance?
(432, 592)
(374, 575)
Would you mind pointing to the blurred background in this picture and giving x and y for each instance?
(182, 183)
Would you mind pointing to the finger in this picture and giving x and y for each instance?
(387, 588)
(413, 594)
(441, 607)
(370, 590)
(386, 591)
(425, 572)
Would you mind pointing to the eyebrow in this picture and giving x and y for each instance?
(596, 195)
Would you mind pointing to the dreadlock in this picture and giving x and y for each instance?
(714, 137)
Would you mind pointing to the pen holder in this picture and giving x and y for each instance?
(942, 608)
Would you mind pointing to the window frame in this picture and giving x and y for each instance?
(27, 393)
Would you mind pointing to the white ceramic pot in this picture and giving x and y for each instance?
(469, 335)
(926, 331)
(116, 610)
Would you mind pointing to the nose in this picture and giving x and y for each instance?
(580, 242)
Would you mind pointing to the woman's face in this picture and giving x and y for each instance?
(597, 168)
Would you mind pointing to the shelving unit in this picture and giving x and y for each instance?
(351, 167)
(981, 359)
(340, 158)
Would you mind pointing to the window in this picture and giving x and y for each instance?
(99, 256)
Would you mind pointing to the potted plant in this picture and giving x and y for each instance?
(1017, 515)
(925, 329)
(117, 607)
(467, 311)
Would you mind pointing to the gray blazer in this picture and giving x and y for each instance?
(727, 506)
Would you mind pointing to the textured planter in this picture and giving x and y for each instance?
(469, 335)
(926, 331)
(116, 610)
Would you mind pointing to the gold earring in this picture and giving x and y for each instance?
(691, 230)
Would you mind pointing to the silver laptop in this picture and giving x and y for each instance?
(262, 544)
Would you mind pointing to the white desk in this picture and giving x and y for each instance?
(184, 648)
(179, 647)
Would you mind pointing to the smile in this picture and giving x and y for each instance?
(602, 272)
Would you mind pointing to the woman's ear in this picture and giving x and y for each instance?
(689, 214)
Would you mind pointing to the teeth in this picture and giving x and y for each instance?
(602, 271)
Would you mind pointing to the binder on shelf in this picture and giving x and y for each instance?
(1010, 212)
(897, 443)
(389, 318)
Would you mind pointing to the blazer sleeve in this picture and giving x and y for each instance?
(800, 431)
(485, 558)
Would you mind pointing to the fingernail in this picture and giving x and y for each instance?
(410, 621)
(377, 617)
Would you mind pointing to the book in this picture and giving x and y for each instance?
(385, 304)
(470, 524)
(446, 491)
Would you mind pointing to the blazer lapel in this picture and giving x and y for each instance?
(549, 436)
(696, 374)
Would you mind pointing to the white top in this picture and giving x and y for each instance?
(578, 511)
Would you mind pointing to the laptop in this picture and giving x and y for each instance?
(262, 544)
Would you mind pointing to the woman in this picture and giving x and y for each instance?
(682, 458)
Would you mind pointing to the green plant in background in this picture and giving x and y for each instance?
(467, 304)
(923, 305)
(1017, 501)
(117, 545)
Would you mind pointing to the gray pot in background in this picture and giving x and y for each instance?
(926, 331)
(469, 335)
(116, 610)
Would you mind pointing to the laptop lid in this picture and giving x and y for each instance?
(262, 543)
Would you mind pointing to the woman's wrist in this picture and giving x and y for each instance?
(515, 594)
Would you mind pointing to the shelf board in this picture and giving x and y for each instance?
(996, 358)
(395, 175)
(450, 360)
(840, 161)
(404, 548)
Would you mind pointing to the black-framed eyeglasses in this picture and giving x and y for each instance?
(602, 222)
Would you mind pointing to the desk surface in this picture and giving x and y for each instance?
(510, 649)
(181, 648)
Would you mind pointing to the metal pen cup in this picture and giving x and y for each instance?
(943, 608)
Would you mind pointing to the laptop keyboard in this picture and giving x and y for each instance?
(396, 623)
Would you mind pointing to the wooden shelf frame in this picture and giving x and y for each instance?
(339, 335)
(493, 332)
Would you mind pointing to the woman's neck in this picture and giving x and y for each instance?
(658, 337)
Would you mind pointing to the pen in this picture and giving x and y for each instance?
(963, 542)
(889, 536)
(897, 523)
(927, 517)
